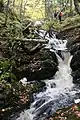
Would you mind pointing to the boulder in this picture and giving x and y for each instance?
(75, 62)
(39, 66)
(16, 97)
(74, 48)
(30, 60)
(76, 76)
(75, 65)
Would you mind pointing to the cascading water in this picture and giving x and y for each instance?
(60, 91)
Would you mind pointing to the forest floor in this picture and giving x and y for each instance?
(69, 28)
(67, 23)
(68, 113)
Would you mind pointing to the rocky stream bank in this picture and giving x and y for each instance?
(72, 35)
(16, 62)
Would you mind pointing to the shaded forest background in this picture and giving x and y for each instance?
(37, 9)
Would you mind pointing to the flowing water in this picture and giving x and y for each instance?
(60, 91)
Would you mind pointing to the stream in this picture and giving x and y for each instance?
(60, 91)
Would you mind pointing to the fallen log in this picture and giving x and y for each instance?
(24, 39)
(70, 28)
(34, 50)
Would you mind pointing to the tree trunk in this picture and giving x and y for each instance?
(77, 7)
(21, 17)
(65, 6)
(24, 40)
(21, 5)
(60, 4)
(25, 7)
(49, 9)
(1, 6)
(71, 11)
(7, 9)
(13, 5)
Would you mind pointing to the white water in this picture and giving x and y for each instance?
(60, 90)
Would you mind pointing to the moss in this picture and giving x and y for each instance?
(13, 27)
(47, 25)
(6, 71)
(67, 22)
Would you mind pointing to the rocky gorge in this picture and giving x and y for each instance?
(19, 59)
(23, 60)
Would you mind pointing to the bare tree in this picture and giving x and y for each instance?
(13, 5)
(1, 5)
(7, 9)
(77, 6)
(21, 6)
(49, 9)
(71, 5)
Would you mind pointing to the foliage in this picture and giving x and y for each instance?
(77, 6)
(68, 22)
(6, 71)
(47, 25)
(27, 8)
(13, 27)
(1, 5)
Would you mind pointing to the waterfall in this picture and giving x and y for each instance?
(60, 91)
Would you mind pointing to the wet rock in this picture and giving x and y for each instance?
(17, 97)
(76, 76)
(53, 85)
(75, 66)
(59, 35)
(74, 48)
(2, 87)
(41, 65)
(39, 103)
(75, 62)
